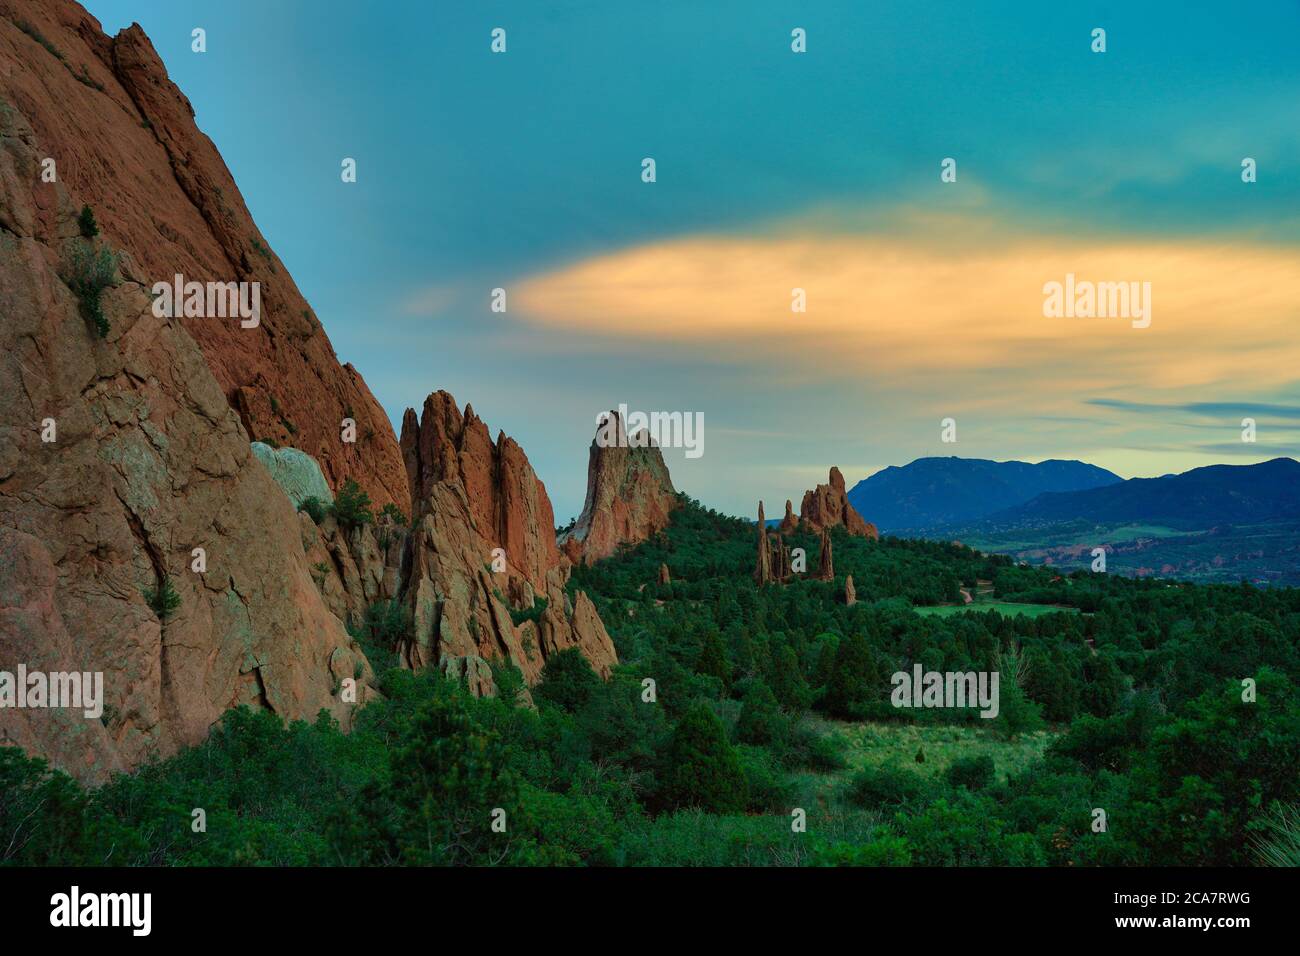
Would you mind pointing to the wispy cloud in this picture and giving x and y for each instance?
(1206, 409)
(899, 306)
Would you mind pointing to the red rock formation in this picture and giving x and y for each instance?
(357, 568)
(827, 506)
(629, 497)
(477, 503)
(850, 594)
(507, 501)
(825, 560)
(763, 570)
(781, 570)
(152, 458)
(148, 462)
(125, 142)
(789, 524)
(664, 576)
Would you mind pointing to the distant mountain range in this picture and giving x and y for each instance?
(1217, 523)
(939, 492)
(1201, 498)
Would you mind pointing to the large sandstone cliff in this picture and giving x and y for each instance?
(119, 456)
(125, 443)
(630, 495)
(124, 141)
(483, 545)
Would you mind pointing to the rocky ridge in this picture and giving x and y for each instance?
(630, 495)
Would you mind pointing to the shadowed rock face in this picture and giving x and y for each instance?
(148, 462)
(630, 496)
(483, 544)
(296, 472)
(161, 193)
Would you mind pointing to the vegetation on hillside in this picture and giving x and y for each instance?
(736, 711)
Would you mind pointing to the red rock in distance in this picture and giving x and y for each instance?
(827, 506)
(826, 560)
(484, 544)
(630, 496)
(789, 524)
(763, 568)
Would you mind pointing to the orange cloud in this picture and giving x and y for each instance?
(895, 307)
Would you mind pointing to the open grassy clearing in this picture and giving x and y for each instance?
(1002, 607)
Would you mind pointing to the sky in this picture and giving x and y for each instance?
(777, 170)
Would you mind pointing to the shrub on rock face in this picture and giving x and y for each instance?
(352, 506)
(163, 599)
(88, 272)
(387, 625)
(86, 223)
(314, 508)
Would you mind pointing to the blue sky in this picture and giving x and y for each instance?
(522, 170)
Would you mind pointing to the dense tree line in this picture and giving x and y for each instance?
(721, 721)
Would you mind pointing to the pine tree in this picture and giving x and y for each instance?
(701, 768)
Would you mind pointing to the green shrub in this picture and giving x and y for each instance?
(352, 506)
(88, 271)
(42, 813)
(855, 687)
(393, 513)
(1279, 842)
(164, 600)
(761, 721)
(86, 223)
(768, 789)
(383, 629)
(86, 79)
(534, 613)
(387, 625)
(823, 753)
(701, 769)
(39, 37)
(567, 680)
(314, 507)
(888, 786)
(883, 851)
(973, 773)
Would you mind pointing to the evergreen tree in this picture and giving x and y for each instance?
(352, 506)
(855, 686)
(712, 661)
(761, 721)
(701, 768)
(567, 680)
